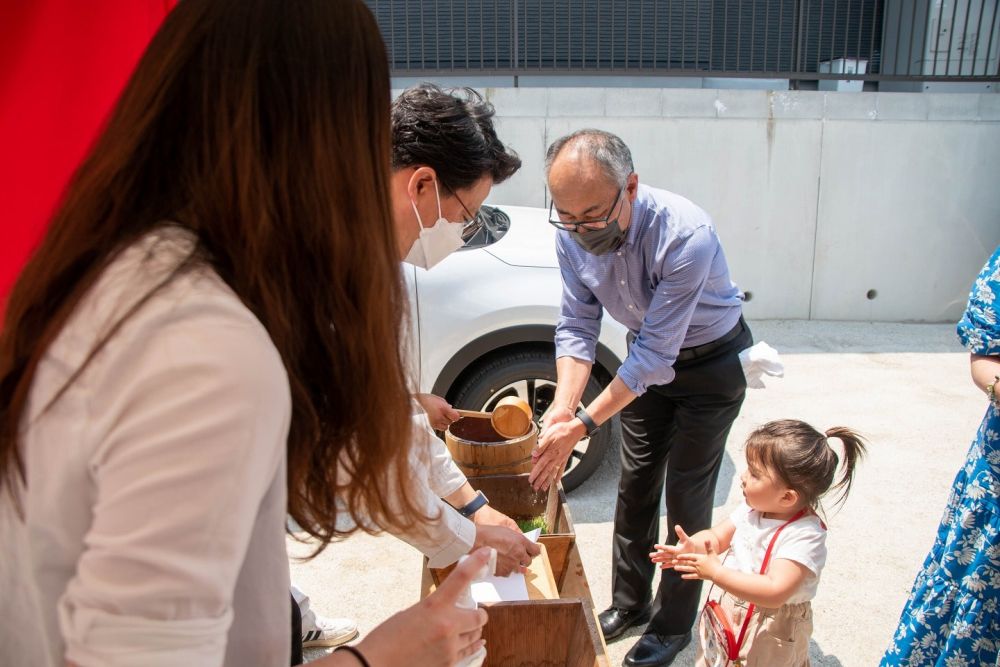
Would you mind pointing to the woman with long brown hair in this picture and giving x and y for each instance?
(209, 336)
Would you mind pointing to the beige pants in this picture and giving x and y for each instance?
(775, 637)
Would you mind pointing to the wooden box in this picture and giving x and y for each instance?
(554, 633)
(559, 632)
(542, 632)
(513, 495)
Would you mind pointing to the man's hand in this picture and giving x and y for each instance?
(487, 516)
(554, 448)
(704, 566)
(439, 411)
(556, 415)
(514, 550)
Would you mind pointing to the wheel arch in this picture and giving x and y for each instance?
(528, 334)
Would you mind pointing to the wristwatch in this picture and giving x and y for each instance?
(588, 423)
(474, 505)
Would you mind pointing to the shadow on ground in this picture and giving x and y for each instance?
(818, 657)
(594, 500)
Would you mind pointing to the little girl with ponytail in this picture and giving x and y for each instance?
(776, 545)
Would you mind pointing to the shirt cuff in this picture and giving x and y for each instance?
(463, 537)
(445, 477)
(455, 481)
(578, 348)
(637, 382)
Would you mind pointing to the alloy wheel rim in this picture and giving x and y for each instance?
(538, 393)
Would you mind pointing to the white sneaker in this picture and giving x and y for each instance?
(330, 632)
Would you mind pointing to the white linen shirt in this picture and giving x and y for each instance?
(453, 535)
(155, 493)
(802, 541)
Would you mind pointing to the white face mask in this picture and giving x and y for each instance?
(437, 242)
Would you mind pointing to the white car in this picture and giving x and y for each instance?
(485, 317)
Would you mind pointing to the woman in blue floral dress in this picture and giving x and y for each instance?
(952, 618)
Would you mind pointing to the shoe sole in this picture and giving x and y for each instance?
(329, 643)
(644, 618)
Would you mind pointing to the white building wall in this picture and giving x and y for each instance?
(820, 198)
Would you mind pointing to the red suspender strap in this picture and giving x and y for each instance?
(763, 570)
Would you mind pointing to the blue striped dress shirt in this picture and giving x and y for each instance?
(668, 283)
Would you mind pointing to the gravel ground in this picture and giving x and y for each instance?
(906, 387)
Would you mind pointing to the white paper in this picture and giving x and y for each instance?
(500, 589)
(504, 589)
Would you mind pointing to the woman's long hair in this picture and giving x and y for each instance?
(263, 127)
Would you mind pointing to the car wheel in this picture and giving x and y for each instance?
(531, 375)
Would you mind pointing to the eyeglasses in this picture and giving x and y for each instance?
(599, 223)
(472, 224)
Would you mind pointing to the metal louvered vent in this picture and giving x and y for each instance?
(797, 39)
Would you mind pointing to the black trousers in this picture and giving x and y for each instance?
(673, 435)
(296, 658)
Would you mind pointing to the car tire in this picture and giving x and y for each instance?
(531, 374)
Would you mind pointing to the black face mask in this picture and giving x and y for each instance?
(601, 241)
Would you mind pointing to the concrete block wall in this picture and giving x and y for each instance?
(842, 206)
(830, 205)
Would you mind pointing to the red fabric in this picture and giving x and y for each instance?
(63, 64)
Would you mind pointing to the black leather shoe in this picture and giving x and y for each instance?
(654, 650)
(615, 621)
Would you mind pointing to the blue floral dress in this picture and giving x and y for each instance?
(952, 618)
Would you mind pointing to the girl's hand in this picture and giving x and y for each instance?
(666, 554)
(704, 566)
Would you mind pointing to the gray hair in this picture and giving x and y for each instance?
(607, 149)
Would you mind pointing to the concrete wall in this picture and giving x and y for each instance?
(822, 199)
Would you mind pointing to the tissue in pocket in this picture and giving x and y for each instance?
(761, 359)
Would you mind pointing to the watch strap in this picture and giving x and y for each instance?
(474, 505)
(588, 423)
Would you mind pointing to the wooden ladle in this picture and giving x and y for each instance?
(511, 418)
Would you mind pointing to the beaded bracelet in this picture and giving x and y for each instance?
(991, 391)
(356, 653)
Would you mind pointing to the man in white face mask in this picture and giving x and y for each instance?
(446, 158)
(436, 242)
(433, 208)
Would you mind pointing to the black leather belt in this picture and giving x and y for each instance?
(689, 353)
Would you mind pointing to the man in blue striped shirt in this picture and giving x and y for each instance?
(653, 261)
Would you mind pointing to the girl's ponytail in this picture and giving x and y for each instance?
(854, 451)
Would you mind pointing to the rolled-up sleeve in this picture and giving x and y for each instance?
(449, 539)
(443, 475)
(685, 271)
(449, 535)
(580, 313)
(193, 429)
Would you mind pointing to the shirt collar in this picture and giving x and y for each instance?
(638, 212)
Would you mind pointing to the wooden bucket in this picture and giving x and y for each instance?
(479, 450)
